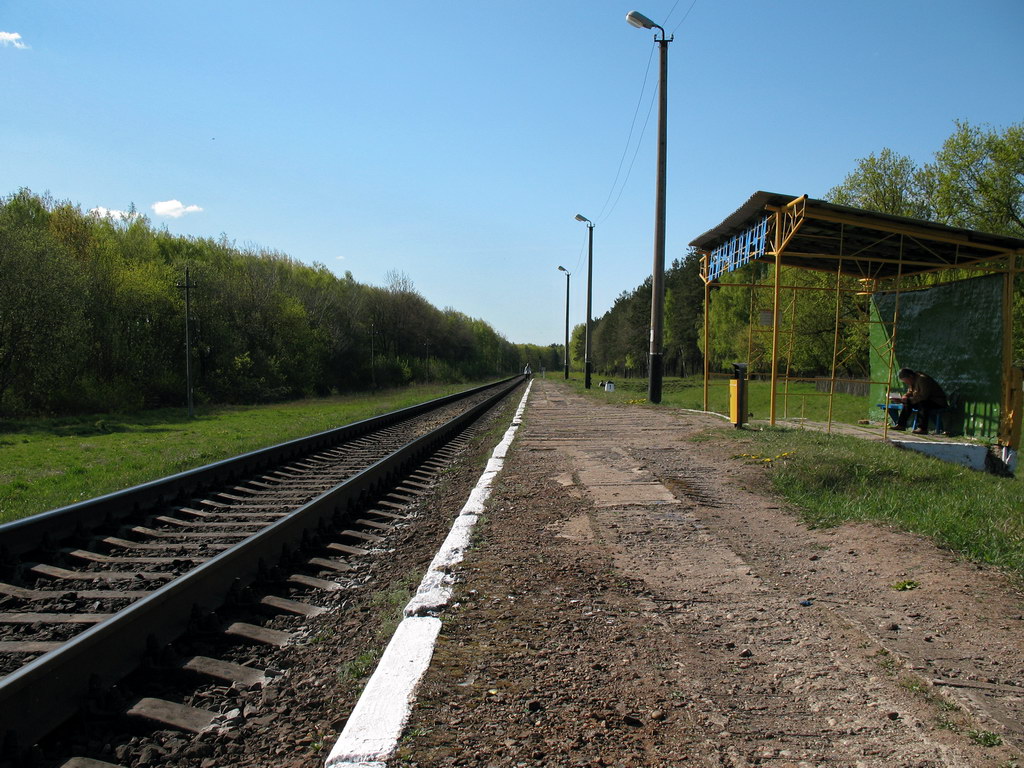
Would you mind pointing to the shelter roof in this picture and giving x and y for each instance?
(825, 236)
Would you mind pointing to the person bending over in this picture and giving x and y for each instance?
(924, 394)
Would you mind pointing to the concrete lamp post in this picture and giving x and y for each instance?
(567, 276)
(587, 367)
(658, 275)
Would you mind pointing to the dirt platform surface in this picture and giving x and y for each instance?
(637, 597)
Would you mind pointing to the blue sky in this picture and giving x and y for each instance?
(454, 141)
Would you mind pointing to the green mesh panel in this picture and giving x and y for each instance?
(954, 333)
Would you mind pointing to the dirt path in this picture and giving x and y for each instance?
(637, 599)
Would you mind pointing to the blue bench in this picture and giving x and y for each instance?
(894, 409)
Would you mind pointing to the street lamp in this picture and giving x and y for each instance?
(590, 288)
(567, 275)
(658, 275)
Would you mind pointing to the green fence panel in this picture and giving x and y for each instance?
(954, 333)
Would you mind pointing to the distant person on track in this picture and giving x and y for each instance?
(924, 394)
(527, 371)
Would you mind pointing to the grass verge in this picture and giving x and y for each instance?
(834, 479)
(803, 400)
(48, 463)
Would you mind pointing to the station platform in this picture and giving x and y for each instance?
(634, 596)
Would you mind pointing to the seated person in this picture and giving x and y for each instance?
(924, 394)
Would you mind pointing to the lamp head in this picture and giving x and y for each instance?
(581, 217)
(638, 20)
(564, 269)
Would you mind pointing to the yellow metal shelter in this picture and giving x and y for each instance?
(868, 252)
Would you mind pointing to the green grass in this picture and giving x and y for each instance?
(985, 738)
(389, 604)
(803, 400)
(359, 667)
(835, 479)
(48, 463)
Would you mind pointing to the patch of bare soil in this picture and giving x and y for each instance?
(636, 598)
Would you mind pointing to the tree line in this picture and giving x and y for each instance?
(619, 338)
(92, 318)
(92, 313)
(975, 181)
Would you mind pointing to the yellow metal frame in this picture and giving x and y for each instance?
(867, 268)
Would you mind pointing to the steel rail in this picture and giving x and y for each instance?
(38, 697)
(47, 528)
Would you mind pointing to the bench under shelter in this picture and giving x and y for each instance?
(934, 298)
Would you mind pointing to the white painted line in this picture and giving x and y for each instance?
(706, 413)
(373, 728)
(372, 731)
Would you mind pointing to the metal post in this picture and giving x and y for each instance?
(188, 344)
(658, 274)
(892, 340)
(590, 286)
(373, 361)
(835, 337)
(1006, 416)
(707, 338)
(566, 323)
(775, 316)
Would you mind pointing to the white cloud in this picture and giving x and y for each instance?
(12, 38)
(112, 213)
(174, 208)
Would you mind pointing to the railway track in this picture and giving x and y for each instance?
(92, 592)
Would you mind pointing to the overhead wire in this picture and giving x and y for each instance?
(677, 26)
(625, 149)
(672, 10)
(636, 151)
(579, 257)
(603, 215)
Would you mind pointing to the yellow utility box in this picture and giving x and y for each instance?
(738, 395)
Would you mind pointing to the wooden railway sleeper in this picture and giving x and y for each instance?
(259, 486)
(374, 524)
(204, 513)
(233, 498)
(386, 515)
(114, 541)
(363, 536)
(401, 498)
(96, 557)
(212, 507)
(267, 513)
(55, 572)
(258, 634)
(329, 564)
(198, 524)
(180, 716)
(53, 618)
(83, 594)
(313, 582)
(88, 762)
(144, 531)
(226, 670)
(288, 605)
